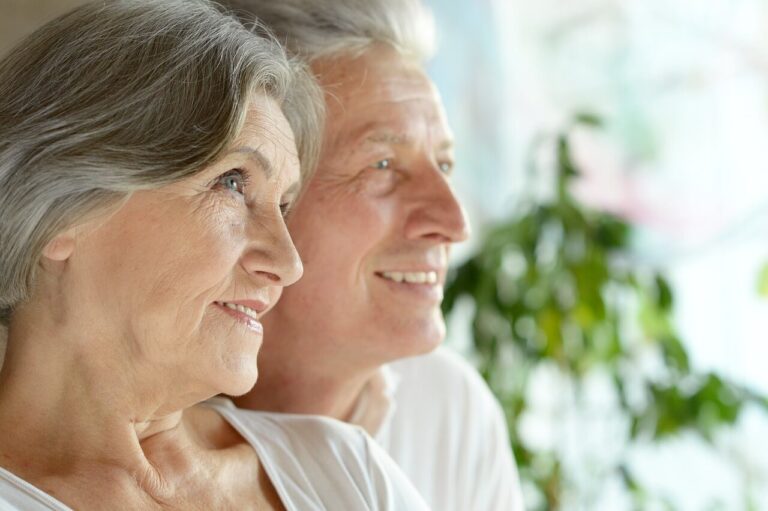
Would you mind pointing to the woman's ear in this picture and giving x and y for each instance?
(60, 248)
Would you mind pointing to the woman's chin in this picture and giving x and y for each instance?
(241, 380)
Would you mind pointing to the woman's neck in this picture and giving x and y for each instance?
(66, 411)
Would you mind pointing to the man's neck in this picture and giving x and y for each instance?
(302, 372)
(304, 392)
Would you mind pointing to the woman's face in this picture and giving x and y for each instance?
(179, 275)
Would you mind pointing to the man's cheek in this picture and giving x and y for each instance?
(274, 296)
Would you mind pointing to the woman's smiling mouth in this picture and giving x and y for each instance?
(247, 315)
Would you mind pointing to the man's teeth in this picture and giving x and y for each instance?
(412, 277)
(242, 308)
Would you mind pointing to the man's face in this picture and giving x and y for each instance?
(376, 222)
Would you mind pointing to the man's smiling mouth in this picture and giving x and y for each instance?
(410, 277)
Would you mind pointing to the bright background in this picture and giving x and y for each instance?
(683, 85)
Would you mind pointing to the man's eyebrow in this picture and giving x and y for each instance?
(393, 139)
(258, 156)
(445, 145)
(388, 138)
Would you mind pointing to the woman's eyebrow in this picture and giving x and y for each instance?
(262, 161)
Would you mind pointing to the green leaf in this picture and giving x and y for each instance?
(674, 354)
(567, 169)
(762, 281)
(588, 119)
(663, 293)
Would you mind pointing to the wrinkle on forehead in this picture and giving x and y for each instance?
(379, 74)
(267, 127)
(383, 95)
(381, 90)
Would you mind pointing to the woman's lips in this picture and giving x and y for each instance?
(245, 314)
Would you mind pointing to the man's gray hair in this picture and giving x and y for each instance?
(121, 96)
(314, 29)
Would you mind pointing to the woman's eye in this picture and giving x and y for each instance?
(384, 164)
(285, 208)
(234, 180)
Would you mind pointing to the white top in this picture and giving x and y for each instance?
(314, 463)
(448, 434)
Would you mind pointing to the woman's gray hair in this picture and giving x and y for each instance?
(314, 29)
(126, 95)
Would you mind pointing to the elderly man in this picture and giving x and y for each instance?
(374, 228)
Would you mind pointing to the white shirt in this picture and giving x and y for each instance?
(314, 463)
(448, 434)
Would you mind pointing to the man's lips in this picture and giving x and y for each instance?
(425, 277)
(419, 287)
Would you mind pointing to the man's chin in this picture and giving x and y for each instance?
(419, 339)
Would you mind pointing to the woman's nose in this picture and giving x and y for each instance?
(271, 255)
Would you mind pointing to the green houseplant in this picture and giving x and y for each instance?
(555, 285)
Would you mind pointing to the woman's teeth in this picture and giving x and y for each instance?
(411, 277)
(242, 308)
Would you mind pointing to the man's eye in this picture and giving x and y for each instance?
(446, 167)
(384, 164)
(234, 180)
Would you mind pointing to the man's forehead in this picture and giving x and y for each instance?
(382, 97)
(380, 74)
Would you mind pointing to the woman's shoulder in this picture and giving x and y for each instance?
(321, 463)
(287, 425)
(297, 438)
(17, 494)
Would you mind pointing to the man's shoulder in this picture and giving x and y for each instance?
(443, 370)
(445, 424)
(447, 385)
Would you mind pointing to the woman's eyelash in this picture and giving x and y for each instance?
(235, 180)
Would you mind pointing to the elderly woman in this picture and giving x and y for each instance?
(147, 159)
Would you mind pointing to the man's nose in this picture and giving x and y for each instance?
(438, 214)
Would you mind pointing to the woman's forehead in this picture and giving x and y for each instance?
(266, 130)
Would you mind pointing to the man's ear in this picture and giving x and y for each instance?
(61, 247)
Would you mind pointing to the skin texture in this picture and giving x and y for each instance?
(380, 201)
(124, 333)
